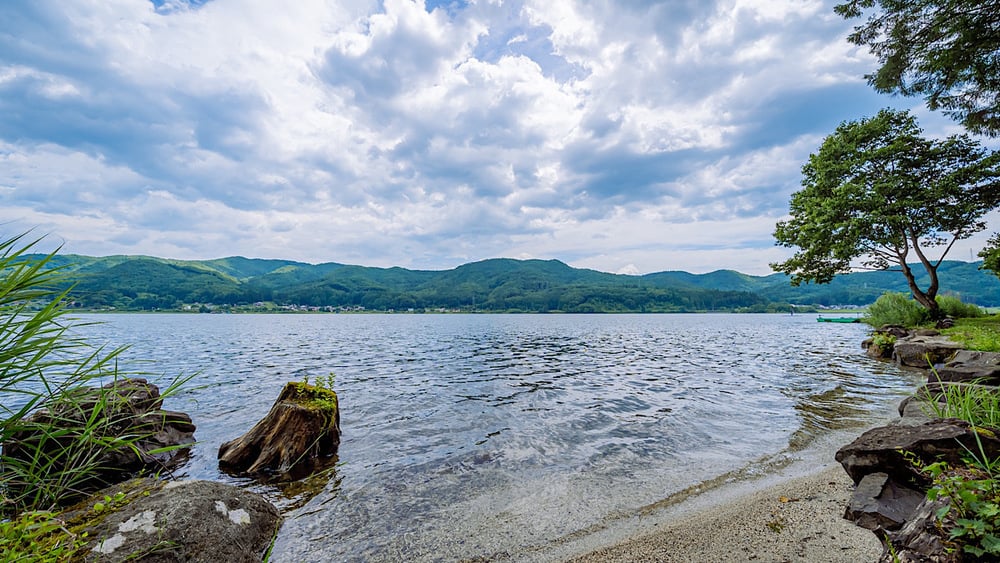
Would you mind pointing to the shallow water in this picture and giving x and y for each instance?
(485, 435)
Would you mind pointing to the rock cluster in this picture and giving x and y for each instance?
(890, 496)
(124, 407)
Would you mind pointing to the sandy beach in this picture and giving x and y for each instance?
(775, 519)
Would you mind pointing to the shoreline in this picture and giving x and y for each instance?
(796, 519)
(792, 513)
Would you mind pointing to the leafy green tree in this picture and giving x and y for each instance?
(879, 193)
(945, 50)
(991, 255)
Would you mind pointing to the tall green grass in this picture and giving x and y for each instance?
(49, 460)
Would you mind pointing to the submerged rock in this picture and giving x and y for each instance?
(301, 430)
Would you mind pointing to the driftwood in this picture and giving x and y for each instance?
(301, 430)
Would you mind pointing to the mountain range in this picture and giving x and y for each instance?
(143, 282)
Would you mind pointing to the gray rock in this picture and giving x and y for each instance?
(914, 411)
(924, 351)
(919, 541)
(124, 407)
(967, 366)
(195, 521)
(881, 449)
(879, 503)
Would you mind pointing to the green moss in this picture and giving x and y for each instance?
(318, 398)
(43, 536)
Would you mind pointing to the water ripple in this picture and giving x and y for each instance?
(468, 435)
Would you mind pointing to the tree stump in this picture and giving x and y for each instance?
(302, 428)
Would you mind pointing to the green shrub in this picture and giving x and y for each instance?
(954, 308)
(895, 309)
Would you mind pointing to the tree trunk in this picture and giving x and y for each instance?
(925, 298)
(302, 427)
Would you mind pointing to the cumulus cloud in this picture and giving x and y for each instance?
(631, 137)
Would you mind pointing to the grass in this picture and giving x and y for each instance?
(979, 405)
(981, 333)
(55, 425)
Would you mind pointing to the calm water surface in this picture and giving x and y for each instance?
(494, 435)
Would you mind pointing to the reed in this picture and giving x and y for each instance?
(45, 365)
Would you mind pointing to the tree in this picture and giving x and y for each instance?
(945, 50)
(879, 193)
(991, 255)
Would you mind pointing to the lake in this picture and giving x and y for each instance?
(504, 435)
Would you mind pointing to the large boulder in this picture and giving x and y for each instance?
(301, 430)
(883, 449)
(154, 439)
(968, 366)
(923, 350)
(156, 521)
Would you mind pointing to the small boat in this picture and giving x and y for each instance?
(838, 319)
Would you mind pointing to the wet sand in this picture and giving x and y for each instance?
(777, 519)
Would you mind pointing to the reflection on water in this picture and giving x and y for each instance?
(476, 435)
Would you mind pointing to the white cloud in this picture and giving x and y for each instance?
(648, 136)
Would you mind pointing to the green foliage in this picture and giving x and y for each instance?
(972, 515)
(883, 341)
(944, 50)
(47, 460)
(895, 309)
(878, 192)
(979, 405)
(953, 307)
(982, 334)
(991, 255)
(39, 537)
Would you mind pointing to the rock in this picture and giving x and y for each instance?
(967, 366)
(880, 450)
(923, 351)
(879, 503)
(897, 331)
(153, 521)
(914, 411)
(946, 322)
(918, 541)
(301, 430)
(125, 408)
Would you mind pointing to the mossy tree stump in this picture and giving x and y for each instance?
(302, 428)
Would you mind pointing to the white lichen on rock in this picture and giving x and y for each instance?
(238, 516)
(110, 545)
(145, 521)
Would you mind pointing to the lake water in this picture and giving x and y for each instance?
(503, 435)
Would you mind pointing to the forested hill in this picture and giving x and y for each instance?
(142, 282)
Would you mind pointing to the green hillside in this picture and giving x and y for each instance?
(144, 283)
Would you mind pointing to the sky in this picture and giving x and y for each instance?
(625, 136)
